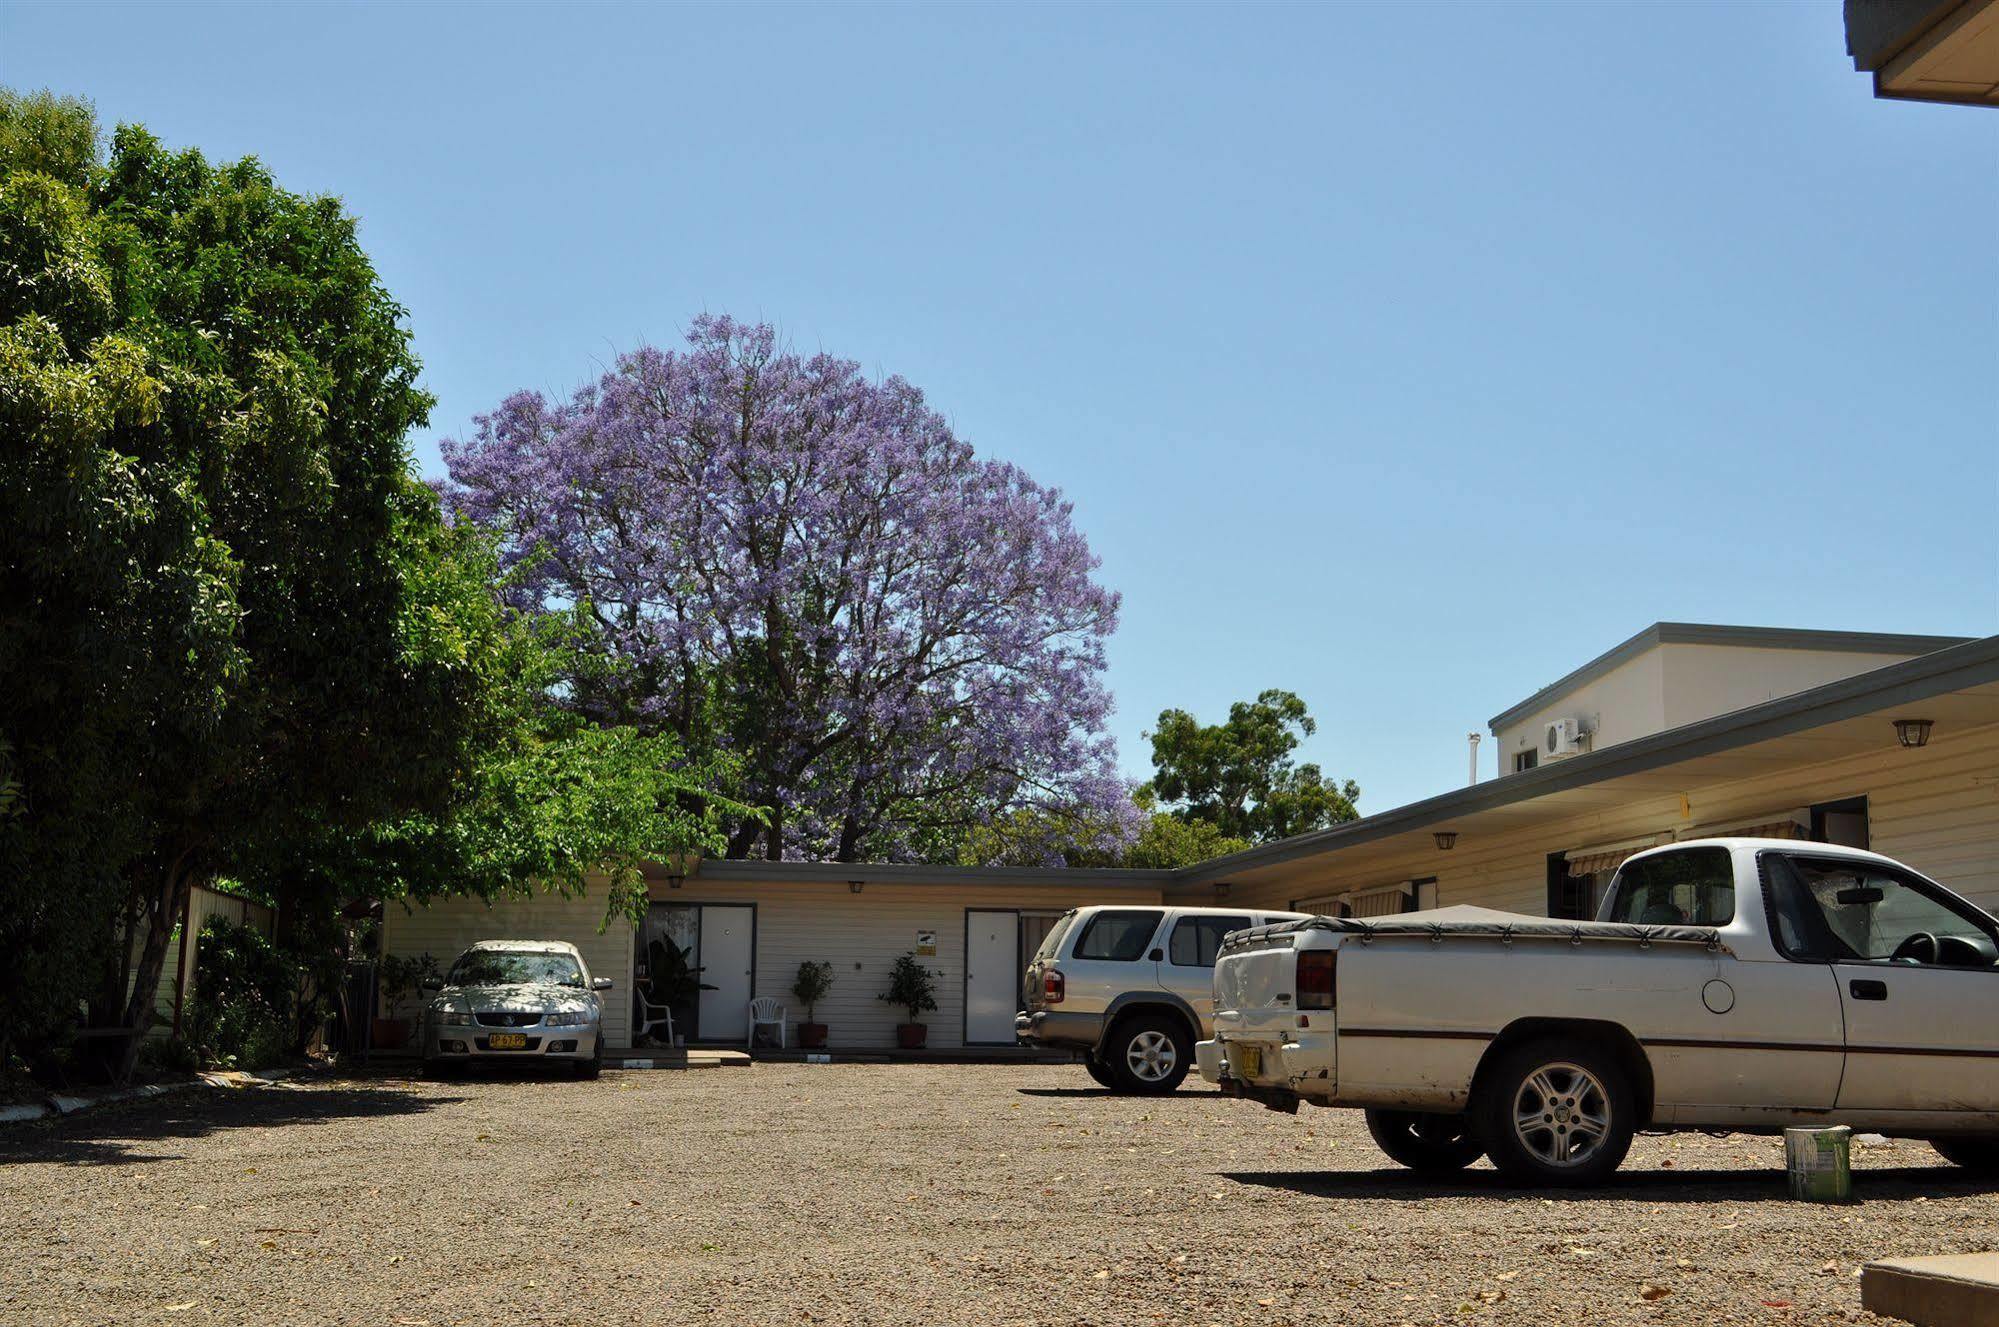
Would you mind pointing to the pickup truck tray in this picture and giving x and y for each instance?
(1487, 923)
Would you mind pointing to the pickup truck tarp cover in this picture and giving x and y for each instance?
(1471, 921)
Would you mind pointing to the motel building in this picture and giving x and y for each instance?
(1887, 742)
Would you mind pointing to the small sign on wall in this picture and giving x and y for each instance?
(926, 944)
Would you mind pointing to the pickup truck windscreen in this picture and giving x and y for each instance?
(1841, 911)
(1690, 887)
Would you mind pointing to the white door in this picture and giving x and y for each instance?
(727, 933)
(992, 976)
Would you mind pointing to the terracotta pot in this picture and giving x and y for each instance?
(389, 1034)
(811, 1036)
(909, 1036)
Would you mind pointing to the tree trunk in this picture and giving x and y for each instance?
(166, 906)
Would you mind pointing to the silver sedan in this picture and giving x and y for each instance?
(516, 1000)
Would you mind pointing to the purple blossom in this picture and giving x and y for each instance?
(897, 637)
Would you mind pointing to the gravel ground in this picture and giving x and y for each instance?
(893, 1194)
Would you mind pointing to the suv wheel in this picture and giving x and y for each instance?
(1100, 1071)
(1555, 1111)
(1427, 1144)
(1148, 1054)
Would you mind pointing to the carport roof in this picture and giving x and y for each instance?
(1958, 687)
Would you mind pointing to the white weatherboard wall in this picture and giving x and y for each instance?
(445, 927)
(861, 935)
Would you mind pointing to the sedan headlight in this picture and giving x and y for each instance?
(451, 1018)
(565, 1019)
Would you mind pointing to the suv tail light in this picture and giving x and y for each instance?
(1317, 978)
(1052, 987)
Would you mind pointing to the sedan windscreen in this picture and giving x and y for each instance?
(490, 967)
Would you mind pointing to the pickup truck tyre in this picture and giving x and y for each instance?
(1148, 1054)
(1101, 1072)
(1555, 1111)
(1980, 1156)
(1427, 1144)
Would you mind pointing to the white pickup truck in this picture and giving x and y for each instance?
(1741, 984)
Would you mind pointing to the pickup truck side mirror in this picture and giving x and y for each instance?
(1156, 956)
(600, 983)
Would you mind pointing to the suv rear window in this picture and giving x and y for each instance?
(1117, 935)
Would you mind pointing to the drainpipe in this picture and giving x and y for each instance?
(1473, 738)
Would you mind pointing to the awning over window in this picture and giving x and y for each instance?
(1604, 857)
(1786, 828)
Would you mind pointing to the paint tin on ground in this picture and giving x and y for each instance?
(1820, 1164)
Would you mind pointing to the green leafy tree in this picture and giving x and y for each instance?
(1238, 776)
(1160, 840)
(237, 636)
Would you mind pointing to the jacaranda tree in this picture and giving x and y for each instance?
(805, 567)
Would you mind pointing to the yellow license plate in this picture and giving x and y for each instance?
(507, 1041)
(1247, 1061)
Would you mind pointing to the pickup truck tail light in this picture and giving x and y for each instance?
(1052, 988)
(1317, 978)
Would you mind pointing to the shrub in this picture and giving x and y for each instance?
(809, 987)
(911, 986)
(245, 992)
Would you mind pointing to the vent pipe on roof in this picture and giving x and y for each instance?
(1473, 738)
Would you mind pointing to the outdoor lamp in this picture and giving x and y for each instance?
(854, 886)
(680, 865)
(1447, 839)
(1913, 732)
(1221, 889)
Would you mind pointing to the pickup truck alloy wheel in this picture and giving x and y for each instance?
(1561, 1114)
(1148, 1054)
(1427, 1144)
(1555, 1111)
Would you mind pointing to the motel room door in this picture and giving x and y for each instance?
(727, 959)
(992, 975)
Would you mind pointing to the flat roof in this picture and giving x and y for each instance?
(1708, 633)
(1973, 663)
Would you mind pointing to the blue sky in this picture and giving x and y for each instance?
(1404, 357)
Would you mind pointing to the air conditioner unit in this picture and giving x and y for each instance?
(1561, 738)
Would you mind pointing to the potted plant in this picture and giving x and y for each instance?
(809, 987)
(913, 987)
(398, 977)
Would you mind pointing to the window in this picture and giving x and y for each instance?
(1117, 935)
(1525, 760)
(1691, 887)
(1829, 910)
(1844, 823)
(1197, 939)
(1041, 934)
(1574, 897)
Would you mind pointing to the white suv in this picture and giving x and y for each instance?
(1132, 988)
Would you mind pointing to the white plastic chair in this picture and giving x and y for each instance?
(765, 1012)
(654, 1016)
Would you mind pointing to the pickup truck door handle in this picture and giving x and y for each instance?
(1864, 989)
